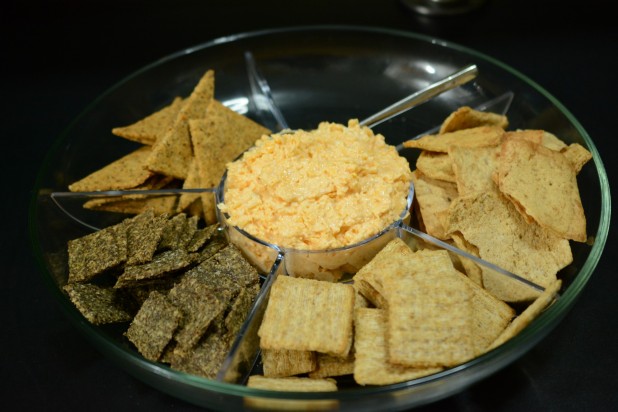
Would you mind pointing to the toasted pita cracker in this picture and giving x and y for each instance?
(171, 155)
(543, 186)
(551, 141)
(529, 314)
(492, 224)
(278, 363)
(578, 155)
(124, 173)
(474, 137)
(433, 198)
(308, 315)
(371, 366)
(471, 269)
(534, 136)
(465, 118)
(436, 165)
(217, 140)
(152, 127)
(430, 313)
(474, 167)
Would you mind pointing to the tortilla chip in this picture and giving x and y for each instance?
(122, 174)
(192, 181)
(542, 184)
(217, 139)
(171, 155)
(475, 137)
(164, 204)
(152, 127)
(308, 315)
(371, 366)
(492, 224)
(466, 118)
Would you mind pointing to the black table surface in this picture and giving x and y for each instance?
(60, 55)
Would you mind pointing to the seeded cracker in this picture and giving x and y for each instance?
(308, 315)
(164, 263)
(152, 127)
(100, 305)
(430, 313)
(143, 235)
(205, 359)
(93, 254)
(201, 237)
(177, 232)
(474, 137)
(466, 118)
(371, 366)
(172, 154)
(152, 328)
(124, 173)
(542, 184)
(239, 309)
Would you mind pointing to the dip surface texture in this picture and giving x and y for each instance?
(317, 190)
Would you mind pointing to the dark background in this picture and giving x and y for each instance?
(57, 56)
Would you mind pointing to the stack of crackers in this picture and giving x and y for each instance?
(186, 144)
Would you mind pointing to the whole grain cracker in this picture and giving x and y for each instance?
(309, 315)
(371, 366)
(277, 363)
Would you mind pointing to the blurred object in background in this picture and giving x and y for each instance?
(442, 7)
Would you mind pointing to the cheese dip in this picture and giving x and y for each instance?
(317, 190)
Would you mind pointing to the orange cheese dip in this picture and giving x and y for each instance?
(317, 190)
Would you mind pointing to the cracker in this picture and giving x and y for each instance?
(96, 253)
(143, 236)
(529, 314)
(240, 307)
(292, 384)
(577, 155)
(205, 359)
(152, 328)
(465, 118)
(371, 366)
(217, 139)
(474, 137)
(192, 181)
(167, 262)
(436, 165)
(171, 155)
(308, 315)
(278, 363)
(474, 167)
(152, 127)
(164, 204)
(471, 269)
(100, 305)
(121, 174)
(434, 198)
(331, 366)
(430, 313)
(492, 224)
(543, 186)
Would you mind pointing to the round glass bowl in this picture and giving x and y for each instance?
(315, 74)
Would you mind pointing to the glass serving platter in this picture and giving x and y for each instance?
(326, 73)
